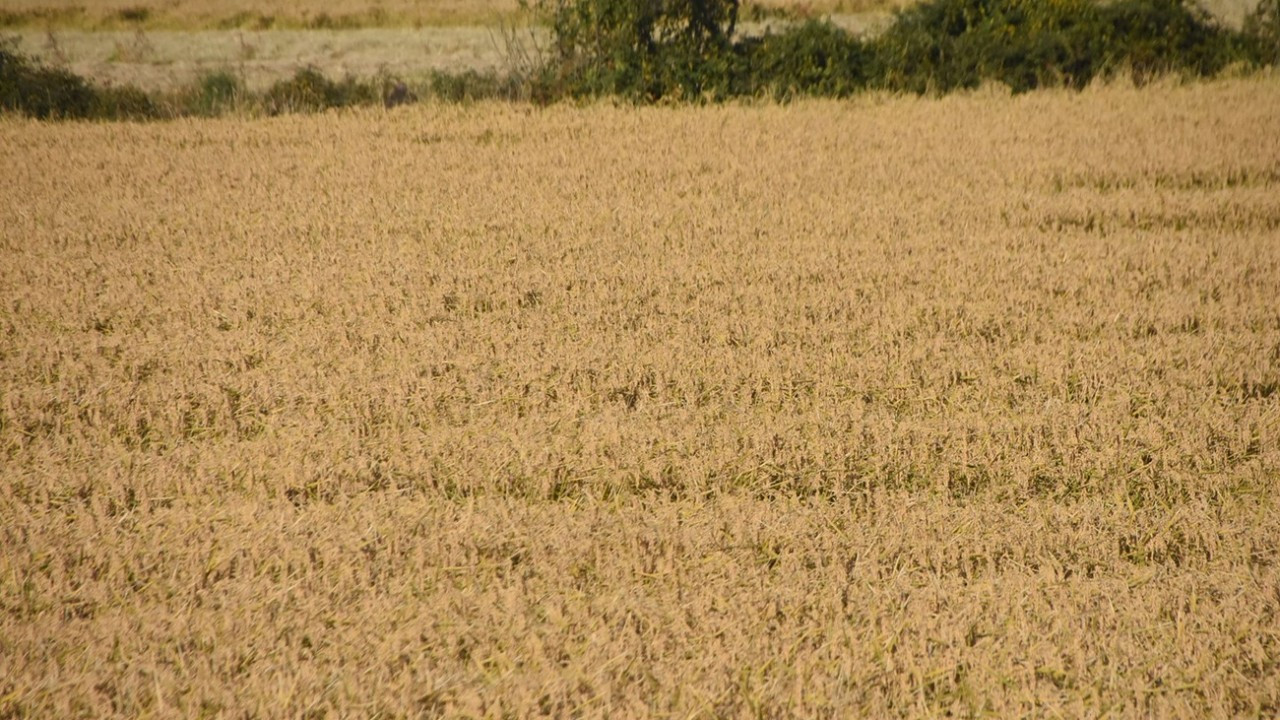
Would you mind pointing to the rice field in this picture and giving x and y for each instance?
(891, 407)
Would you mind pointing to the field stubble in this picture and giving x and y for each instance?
(173, 60)
(348, 14)
(168, 60)
(212, 14)
(893, 407)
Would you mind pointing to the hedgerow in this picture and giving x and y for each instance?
(41, 92)
(654, 49)
(690, 50)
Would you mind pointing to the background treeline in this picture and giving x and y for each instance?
(654, 49)
(690, 50)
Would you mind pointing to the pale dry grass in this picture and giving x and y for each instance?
(171, 60)
(894, 407)
(188, 14)
(176, 43)
(213, 14)
(167, 60)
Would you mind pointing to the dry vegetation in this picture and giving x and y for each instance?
(219, 13)
(171, 60)
(168, 60)
(213, 14)
(893, 407)
(361, 13)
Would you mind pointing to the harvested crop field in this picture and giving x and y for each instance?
(260, 14)
(168, 61)
(889, 407)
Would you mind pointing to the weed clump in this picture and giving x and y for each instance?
(641, 50)
(649, 51)
(653, 51)
(1262, 33)
(947, 45)
(471, 85)
(124, 103)
(815, 58)
(41, 92)
(309, 91)
(216, 93)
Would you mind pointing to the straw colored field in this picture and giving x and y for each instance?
(345, 13)
(189, 14)
(893, 407)
(169, 60)
(214, 14)
(174, 59)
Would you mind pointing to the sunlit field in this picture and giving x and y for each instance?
(259, 14)
(214, 14)
(892, 407)
(189, 14)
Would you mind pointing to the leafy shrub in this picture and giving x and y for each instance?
(1167, 36)
(813, 58)
(396, 92)
(943, 45)
(644, 49)
(136, 14)
(215, 93)
(650, 49)
(470, 85)
(247, 20)
(309, 90)
(41, 92)
(1262, 33)
(123, 103)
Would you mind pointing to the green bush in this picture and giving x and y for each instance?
(41, 92)
(309, 90)
(470, 85)
(643, 49)
(813, 58)
(1262, 33)
(123, 103)
(53, 93)
(648, 50)
(215, 93)
(1153, 37)
(651, 49)
(944, 45)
